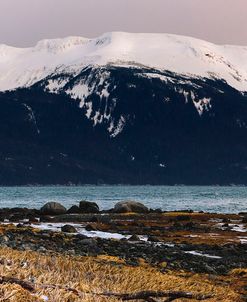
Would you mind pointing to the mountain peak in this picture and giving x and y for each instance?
(60, 44)
(179, 54)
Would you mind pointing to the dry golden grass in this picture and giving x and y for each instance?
(99, 274)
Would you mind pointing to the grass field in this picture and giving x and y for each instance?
(92, 275)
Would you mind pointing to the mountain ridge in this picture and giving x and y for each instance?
(106, 115)
(23, 67)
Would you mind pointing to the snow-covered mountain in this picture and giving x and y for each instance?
(21, 67)
(123, 108)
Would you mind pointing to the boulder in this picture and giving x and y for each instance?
(88, 207)
(46, 219)
(74, 210)
(134, 238)
(53, 208)
(81, 237)
(33, 219)
(68, 229)
(226, 220)
(94, 219)
(20, 225)
(130, 206)
(152, 238)
(89, 242)
(90, 228)
(16, 217)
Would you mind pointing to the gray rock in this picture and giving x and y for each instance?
(89, 242)
(74, 210)
(68, 229)
(53, 208)
(42, 249)
(70, 252)
(88, 207)
(90, 228)
(134, 238)
(153, 238)
(130, 206)
(244, 220)
(5, 238)
(81, 237)
(94, 219)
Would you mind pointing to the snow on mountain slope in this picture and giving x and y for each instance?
(22, 67)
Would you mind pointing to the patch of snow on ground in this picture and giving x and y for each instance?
(185, 94)
(238, 228)
(115, 130)
(150, 75)
(79, 91)
(202, 255)
(97, 119)
(32, 117)
(56, 227)
(89, 106)
(243, 240)
(105, 93)
(234, 227)
(54, 85)
(201, 104)
(162, 165)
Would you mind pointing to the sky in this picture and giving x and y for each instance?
(24, 22)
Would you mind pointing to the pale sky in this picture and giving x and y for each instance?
(24, 22)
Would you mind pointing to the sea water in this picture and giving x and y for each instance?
(168, 198)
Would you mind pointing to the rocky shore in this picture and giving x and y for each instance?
(192, 242)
